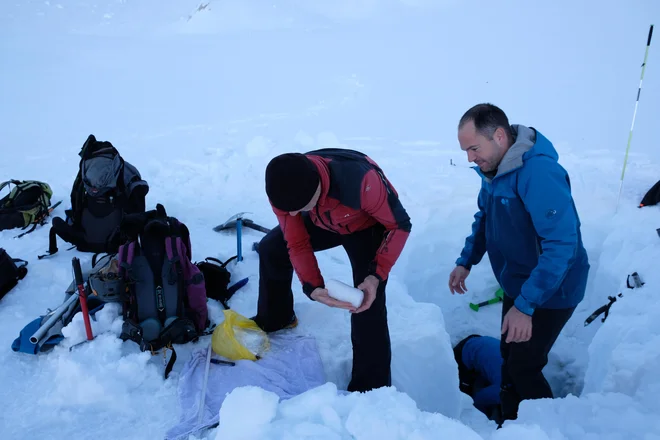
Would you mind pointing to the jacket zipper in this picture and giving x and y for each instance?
(327, 214)
(318, 214)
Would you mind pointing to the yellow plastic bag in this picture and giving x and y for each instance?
(227, 343)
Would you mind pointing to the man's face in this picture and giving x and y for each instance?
(486, 153)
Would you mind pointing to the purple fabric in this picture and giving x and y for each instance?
(194, 282)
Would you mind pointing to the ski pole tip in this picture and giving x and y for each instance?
(648, 43)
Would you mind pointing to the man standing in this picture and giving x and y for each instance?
(323, 199)
(528, 224)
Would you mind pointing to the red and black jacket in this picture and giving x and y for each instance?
(355, 195)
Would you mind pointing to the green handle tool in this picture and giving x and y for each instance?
(498, 297)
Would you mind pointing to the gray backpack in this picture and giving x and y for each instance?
(105, 190)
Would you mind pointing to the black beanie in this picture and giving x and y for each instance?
(291, 181)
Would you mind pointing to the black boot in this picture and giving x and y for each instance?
(292, 322)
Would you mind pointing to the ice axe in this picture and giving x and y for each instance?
(498, 297)
(237, 221)
(82, 295)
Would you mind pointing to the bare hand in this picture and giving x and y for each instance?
(457, 280)
(369, 286)
(518, 325)
(321, 295)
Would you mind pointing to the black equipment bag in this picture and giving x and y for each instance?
(10, 272)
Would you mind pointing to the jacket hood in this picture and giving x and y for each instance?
(528, 143)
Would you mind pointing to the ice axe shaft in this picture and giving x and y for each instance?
(498, 297)
(238, 222)
(77, 273)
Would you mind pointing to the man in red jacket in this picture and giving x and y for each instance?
(323, 199)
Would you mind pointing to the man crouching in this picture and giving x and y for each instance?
(323, 199)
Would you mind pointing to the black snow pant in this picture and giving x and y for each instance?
(523, 362)
(369, 329)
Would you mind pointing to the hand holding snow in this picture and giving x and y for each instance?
(343, 292)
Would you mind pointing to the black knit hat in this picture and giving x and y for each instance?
(291, 181)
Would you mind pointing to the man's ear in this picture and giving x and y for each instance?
(500, 137)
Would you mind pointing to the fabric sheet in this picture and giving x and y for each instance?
(291, 367)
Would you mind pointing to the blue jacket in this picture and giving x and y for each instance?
(528, 224)
(482, 356)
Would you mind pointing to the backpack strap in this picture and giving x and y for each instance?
(22, 268)
(223, 265)
(124, 261)
(173, 249)
(6, 183)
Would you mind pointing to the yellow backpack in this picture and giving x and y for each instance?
(28, 203)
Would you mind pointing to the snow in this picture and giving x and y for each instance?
(325, 413)
(199, 99)
(344, 292)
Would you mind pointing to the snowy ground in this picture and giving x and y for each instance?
(200, 101)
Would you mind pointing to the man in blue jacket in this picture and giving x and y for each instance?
(528, 224)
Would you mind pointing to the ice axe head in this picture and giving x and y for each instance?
(499, 295)
(230, 223)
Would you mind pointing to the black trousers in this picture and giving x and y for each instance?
(370, 335)
(523, 362)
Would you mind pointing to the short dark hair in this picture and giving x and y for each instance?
(487, 118)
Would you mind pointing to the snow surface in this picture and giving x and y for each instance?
(199, 98)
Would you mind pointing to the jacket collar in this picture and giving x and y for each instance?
(324, 173)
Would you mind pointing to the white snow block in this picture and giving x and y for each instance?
(343, 292)
(423, 364)
(624, 355)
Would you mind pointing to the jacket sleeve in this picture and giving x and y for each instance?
(300, 251)
(545, 190)
(380, 201)
(475, 245)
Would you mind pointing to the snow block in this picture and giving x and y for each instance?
(343, 292)
(423, 364)
(624, 355)
(328, 413)
(259, 403)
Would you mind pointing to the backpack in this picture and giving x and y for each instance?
(105, 189)
(163, 293)
(28, 203)
(10, 273)
(103, 281)
(216, 279)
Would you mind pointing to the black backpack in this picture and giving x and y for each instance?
(217, 279)
(106, 189)
(10, 273)
(28, 203)
(163, 293)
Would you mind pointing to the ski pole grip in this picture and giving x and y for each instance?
(77, 271)
(648, 43)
